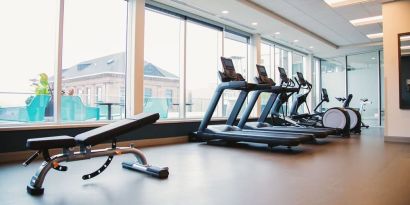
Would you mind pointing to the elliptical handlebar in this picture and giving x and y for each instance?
(291, 83)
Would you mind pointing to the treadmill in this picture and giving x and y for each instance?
(276, 91)
(230, 80)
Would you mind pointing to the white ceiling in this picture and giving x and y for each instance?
(305, 20)
(331, 23)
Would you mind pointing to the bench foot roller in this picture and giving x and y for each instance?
(159, 172)
(35, 191)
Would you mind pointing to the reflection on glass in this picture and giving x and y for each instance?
(94, 59)
(334, 80)
(363, 77)
(404, 71)
(203, 52)
(28, 36)
(162, 64)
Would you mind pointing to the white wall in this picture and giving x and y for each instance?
(396, 19)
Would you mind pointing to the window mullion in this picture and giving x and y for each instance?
(59, 65)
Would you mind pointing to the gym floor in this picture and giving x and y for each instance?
(358, 170)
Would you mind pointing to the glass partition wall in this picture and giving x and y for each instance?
(362, 78)
(333, 78)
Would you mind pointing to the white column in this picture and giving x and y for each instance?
(135, 57)
(255, 58)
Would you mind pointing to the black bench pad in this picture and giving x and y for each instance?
(50, 142)
(115, 129)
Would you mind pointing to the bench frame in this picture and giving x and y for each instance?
(68, 155)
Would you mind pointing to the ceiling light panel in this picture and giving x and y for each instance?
(375, 35)
(340, 3)
(367, 21)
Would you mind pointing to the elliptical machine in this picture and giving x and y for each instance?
(332, 118)
(355, 116)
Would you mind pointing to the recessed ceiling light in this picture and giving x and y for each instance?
(225, 12)
(375, 35)
(277, 33)
(339, 3)
(254, 23)
(373, 58)
(311, 47)
(296, 40)
(367, 21)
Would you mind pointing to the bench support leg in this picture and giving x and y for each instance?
(36, 182)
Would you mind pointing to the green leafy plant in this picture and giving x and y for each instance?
(42, 87)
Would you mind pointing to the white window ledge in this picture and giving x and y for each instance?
(45, 126)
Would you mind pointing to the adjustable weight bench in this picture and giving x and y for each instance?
(85, 141)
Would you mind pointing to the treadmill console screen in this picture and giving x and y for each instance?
(324, 91)
(229, 68)
(263, 76)
(283, 75)
(261, 70)
(301, 78)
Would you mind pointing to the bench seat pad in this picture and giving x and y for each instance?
(63, 141)
(115, 129)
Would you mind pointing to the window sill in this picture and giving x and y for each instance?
(45, 126)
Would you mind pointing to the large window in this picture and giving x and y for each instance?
(282, 59)
(362, 78)
(27, 50)
(163, 63)
(94, 57)
(298, 65)
(236, 48)
(191, 49)
(268, 59)
(203, 52)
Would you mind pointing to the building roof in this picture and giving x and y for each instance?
(114, 63)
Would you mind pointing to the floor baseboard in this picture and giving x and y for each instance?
(397, 139)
